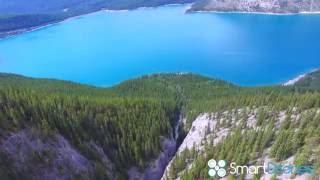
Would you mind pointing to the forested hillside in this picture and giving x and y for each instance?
(258, 129)
(310, 80)
(107, 131)
(18, 16)
(256, 126)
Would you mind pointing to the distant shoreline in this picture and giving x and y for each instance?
(13, 33)
(295, 80)
(8, 34)
(256, 12)
(298, 78)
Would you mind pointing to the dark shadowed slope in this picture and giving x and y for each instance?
(18, 16)
(310, 80)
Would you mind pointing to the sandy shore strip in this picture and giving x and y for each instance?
(294, 80)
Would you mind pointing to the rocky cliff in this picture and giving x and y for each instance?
(213, 133)
(263, 6)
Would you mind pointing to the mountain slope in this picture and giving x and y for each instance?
(17, 16)
(124, 131)
(58, 6)
(277, 126)
(47, 120)
(266, 6)
(250, 136)
(310, 80)
(36, 6)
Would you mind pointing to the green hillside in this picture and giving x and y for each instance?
(310, 81)
(124, 124)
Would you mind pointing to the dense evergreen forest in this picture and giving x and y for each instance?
(16, 15)
(277, 129)
(273, 123)
(113, 129)
(128, 129)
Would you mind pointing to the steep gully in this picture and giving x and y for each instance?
(170, 146)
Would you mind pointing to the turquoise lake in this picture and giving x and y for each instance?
(105, 48)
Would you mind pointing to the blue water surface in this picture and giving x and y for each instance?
(105, 48)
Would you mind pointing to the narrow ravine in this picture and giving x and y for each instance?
(157, 168)
(170, 147)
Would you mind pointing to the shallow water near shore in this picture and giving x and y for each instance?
(105, 48)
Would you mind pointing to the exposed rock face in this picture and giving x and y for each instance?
(201, 129)
(32, 156)
(309, 80)
(155, 171)
(42, 159)
(212, 128)
(264, 6)
(157, 167)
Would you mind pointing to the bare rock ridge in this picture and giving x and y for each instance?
(49, 158)
(259, 6)
(209, 129)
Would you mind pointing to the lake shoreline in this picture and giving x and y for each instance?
(253, 12)
(105, 48)
(8, 34)
(293, 81)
